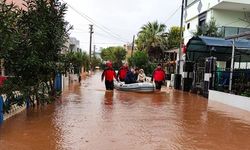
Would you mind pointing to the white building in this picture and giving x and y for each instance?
(232, 16)
(71, 45)
(74, 44)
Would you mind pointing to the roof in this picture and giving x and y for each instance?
(218, 47)
(221, 42)
(211, 41)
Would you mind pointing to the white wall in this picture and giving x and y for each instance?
(230, 99)
(188, 33)
(238, 1)
(229, 18)
(192, 13)
(192, 10)
(223, 17)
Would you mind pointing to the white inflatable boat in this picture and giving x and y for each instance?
(135, 87)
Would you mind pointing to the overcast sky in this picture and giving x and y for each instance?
(123, 18)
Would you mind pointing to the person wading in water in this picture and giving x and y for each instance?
(158, 77)
(122, 72)
(109, 75)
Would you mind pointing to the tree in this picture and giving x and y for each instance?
(114, 54)
(209, 29)
(139, 59)
(174, 37)
(33, 58)
(96, 62)
(75, 60)
(152, 38)
(8, 19)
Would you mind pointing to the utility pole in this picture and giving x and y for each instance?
(177, 79)
(181, 36)
(90, 41)
(94, 51)
(133, 46)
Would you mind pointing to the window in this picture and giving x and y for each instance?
(241, 65)
(242, 30)
(202, 19)
(230, 31)
(188, 25)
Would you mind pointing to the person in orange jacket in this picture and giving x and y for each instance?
(158, 77)
(109, 75)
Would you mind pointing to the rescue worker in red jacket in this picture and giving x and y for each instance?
(122, 72)
(158, 77)
(109, 75)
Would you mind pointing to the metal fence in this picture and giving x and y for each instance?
(240, 83)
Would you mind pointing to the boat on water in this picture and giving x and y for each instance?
(135, 87)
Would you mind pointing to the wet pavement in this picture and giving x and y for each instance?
(89, 118)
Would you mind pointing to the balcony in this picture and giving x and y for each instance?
(233, 5)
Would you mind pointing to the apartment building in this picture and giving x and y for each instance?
(232, 16)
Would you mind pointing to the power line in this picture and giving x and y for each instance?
(172, 15)
(97, 34)
(104, 43)
(101, 27)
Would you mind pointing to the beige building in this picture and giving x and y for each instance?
(128, 48)
(18, 3)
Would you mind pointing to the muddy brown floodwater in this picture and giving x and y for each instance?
(89, 118)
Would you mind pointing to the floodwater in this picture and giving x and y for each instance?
(89, 118)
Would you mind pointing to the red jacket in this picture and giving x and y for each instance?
(2, 79)
(122, 72)
(158, 75)
(109, 74)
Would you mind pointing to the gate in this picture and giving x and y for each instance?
(199, 72)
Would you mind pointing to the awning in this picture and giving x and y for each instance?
(202, 46)
(212, 41)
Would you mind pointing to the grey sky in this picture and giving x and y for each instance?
(122, 17)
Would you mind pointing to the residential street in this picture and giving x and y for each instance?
(88, 118)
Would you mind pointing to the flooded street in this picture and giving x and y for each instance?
(89, 118)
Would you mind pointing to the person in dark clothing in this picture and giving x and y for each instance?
(136, 73)
(158, 77)
(79, 78)
(122, 72)
(130, 77)
(109, 75)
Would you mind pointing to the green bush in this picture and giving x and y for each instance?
(140, 59)
(246, 93)
(150, 68)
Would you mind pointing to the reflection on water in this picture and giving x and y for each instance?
(108, 99)
(88, 117)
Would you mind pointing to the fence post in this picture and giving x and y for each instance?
(58, 82)
(1, 109)
(27, 103)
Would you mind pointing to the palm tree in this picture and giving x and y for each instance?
(152, 38)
